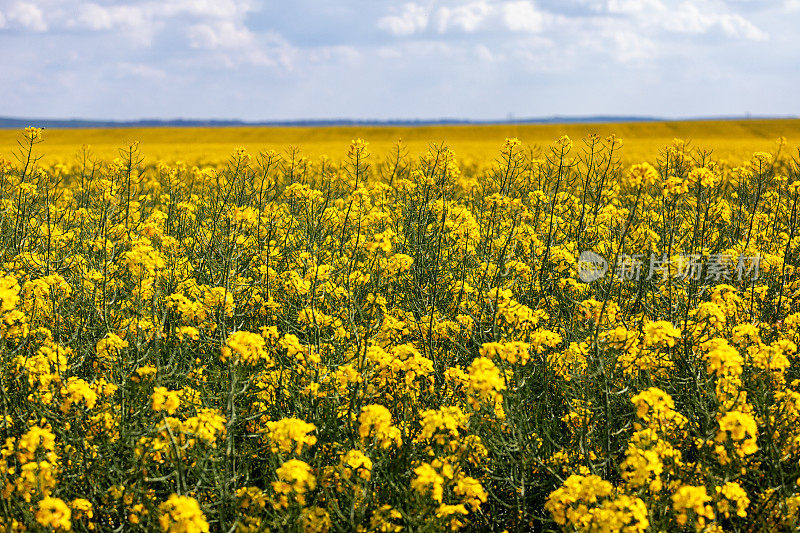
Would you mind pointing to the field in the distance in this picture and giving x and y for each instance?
(730, 139)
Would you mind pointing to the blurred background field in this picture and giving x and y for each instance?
(731, 140)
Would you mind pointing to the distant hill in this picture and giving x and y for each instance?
(16, 122)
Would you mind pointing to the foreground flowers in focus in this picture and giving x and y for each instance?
(278, 343)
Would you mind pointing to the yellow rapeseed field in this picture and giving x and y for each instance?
(587, 336)
(730, 139)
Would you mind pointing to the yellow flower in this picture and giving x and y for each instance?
(732, 492)
(358, 148)
(381, 241)
(563, 144)
(109, 347)
(541, 339)
(722, 358)
(448, 419)
(145, 372)
(165, 400)
(428, 481)
(656, 408)
(741, 428)
(315, 520)
(513, 352)
(383, 520)
(704, 176)
(246, 347)
(143, 260)
(75, 391)
(773, 358)
(692, 499)
(646, 460)
(471, 492)
(660, 333)
(9, 294)
(356, 461)
(188, 331)
(54, 513)
(641, 175)
(760, 160)
(578, 500)
(744, 333)
(182, 514)
(569, 361)
(398, 263)
(510, 144)
(32, 133)
(206, 425)
(485, 380)
(295, 478)
(290, 435)
(376, 423)
(675, 186)
(81, 508)
(444, 510)
(35, 438)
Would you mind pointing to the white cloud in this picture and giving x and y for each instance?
(335, 54)
(515, 15)
(612, 39)
(623, 31)
(223, 34)
(99, 18)
(484, 54)
(219, 9)
(389, 52)
(421, 49)
(738, 27)
(466, 18)
(141, 70)
(630, 46)
(26, 15)
(523, 16)
(216, 27)
(211, 20)
(232, 46)
(411, 19)
(632, 7)
(689, 18)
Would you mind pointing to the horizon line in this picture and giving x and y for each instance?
(7, 122)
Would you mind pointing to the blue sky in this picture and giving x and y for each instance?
(375, 59)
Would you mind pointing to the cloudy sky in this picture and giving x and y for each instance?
(377, 59)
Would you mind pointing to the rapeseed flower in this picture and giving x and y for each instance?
(182, 514)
